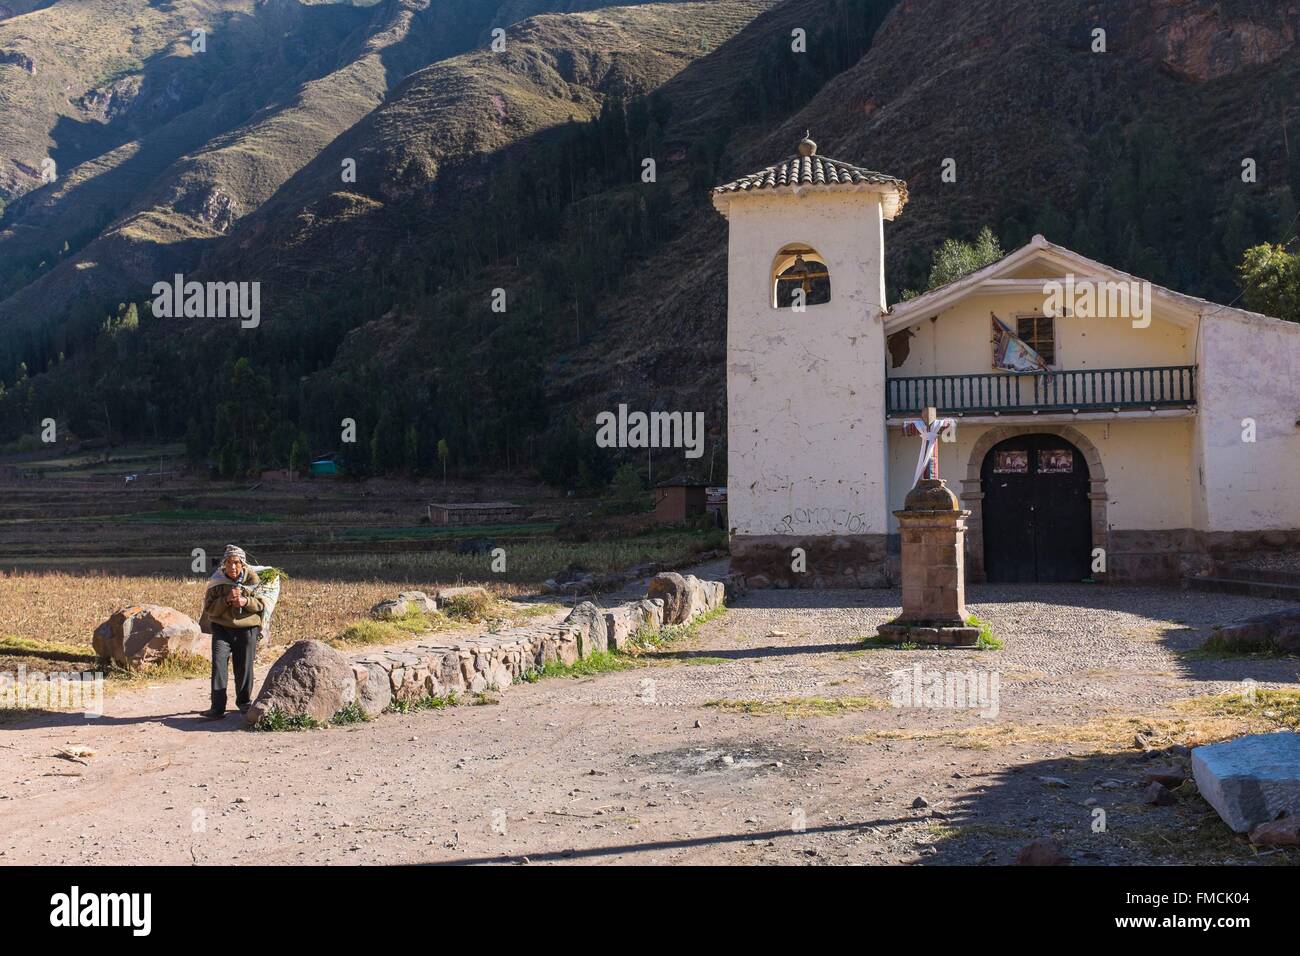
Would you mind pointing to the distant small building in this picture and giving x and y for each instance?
(325, 465)
(477, 512)
(679, 498)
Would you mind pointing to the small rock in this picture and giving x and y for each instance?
(1165, 776)
(920, 803)
(1157, 794)
(1057, 782)
(1284, 832)
(1041, 852)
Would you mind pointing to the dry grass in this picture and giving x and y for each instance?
(66, 608)
(815, 706)
(458, 614)
(1191, 721)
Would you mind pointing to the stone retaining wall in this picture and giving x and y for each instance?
(442, 667)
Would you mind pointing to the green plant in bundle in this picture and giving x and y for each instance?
(271, 575)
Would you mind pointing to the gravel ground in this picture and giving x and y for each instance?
(677, 761)
(1287, 561)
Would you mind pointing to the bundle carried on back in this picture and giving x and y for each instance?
(266, 589)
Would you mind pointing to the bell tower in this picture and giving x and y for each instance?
(806, 371)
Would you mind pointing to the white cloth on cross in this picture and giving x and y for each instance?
(930, 439)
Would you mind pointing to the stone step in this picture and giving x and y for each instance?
(1247, 586)
(1240, 573)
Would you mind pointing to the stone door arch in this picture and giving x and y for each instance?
(972, 497)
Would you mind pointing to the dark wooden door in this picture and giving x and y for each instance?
(1037, 518)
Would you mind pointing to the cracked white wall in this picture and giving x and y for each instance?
(1249, 374)
(805, 390)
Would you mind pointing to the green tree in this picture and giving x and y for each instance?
(627, 491)
(956, 258)
(386, 446)
(1271, 278)
(195, 447)
(300, 456)
(411, 449)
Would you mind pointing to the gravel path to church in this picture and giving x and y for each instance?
(767, 738)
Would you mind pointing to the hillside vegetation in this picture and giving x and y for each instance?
(521, 170)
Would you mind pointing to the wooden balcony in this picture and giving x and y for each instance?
(1027, 393)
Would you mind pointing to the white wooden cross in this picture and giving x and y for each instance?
(928, 427)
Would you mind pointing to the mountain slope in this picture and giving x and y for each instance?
(522, 172)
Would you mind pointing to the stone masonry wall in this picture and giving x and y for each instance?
(495, 661)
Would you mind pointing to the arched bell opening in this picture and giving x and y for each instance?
(800, 278)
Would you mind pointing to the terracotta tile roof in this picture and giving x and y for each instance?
(808, 169)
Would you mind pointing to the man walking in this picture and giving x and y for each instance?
(235, 616)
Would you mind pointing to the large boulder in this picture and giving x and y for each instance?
(1250, 780)
(590, 623)
(418, 601)
(389, 609)
(310, 679)
(685, 596)
(715, 595)
(374, 693)
(624, 621)
(147, 633)
(675, 592)
(462, 593)
(1279, 631)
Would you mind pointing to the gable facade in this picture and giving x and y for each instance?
(1168, 435)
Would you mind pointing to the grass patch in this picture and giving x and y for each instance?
(601, 662)
(274, 721)
(646, 641)
(473, 607)
(46, 650)
(414, 622)
(371, 632)
(987, 641)
(350, 714)
(1192, 721)
(427, 702)
(176, 667)
(815, 706)
(1216, 646)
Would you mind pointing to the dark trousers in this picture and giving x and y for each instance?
(239, 643)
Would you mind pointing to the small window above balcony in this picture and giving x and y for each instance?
(1039, 333)
(800, 278)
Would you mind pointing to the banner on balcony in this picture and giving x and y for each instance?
(1011, 353)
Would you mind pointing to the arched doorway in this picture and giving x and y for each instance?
(1037, 518)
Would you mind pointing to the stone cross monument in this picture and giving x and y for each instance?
(933, 529)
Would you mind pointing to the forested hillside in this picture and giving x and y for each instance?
(522, 170)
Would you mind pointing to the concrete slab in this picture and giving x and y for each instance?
(1250, 780)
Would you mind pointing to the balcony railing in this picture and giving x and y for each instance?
(1103, 389)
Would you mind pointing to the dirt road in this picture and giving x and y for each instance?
(803, 762)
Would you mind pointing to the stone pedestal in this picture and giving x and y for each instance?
(933, 529)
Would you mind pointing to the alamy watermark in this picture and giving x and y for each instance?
(208, 300)
(918, 686)
(626, 429)
(59, 690)
(1099, 299)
